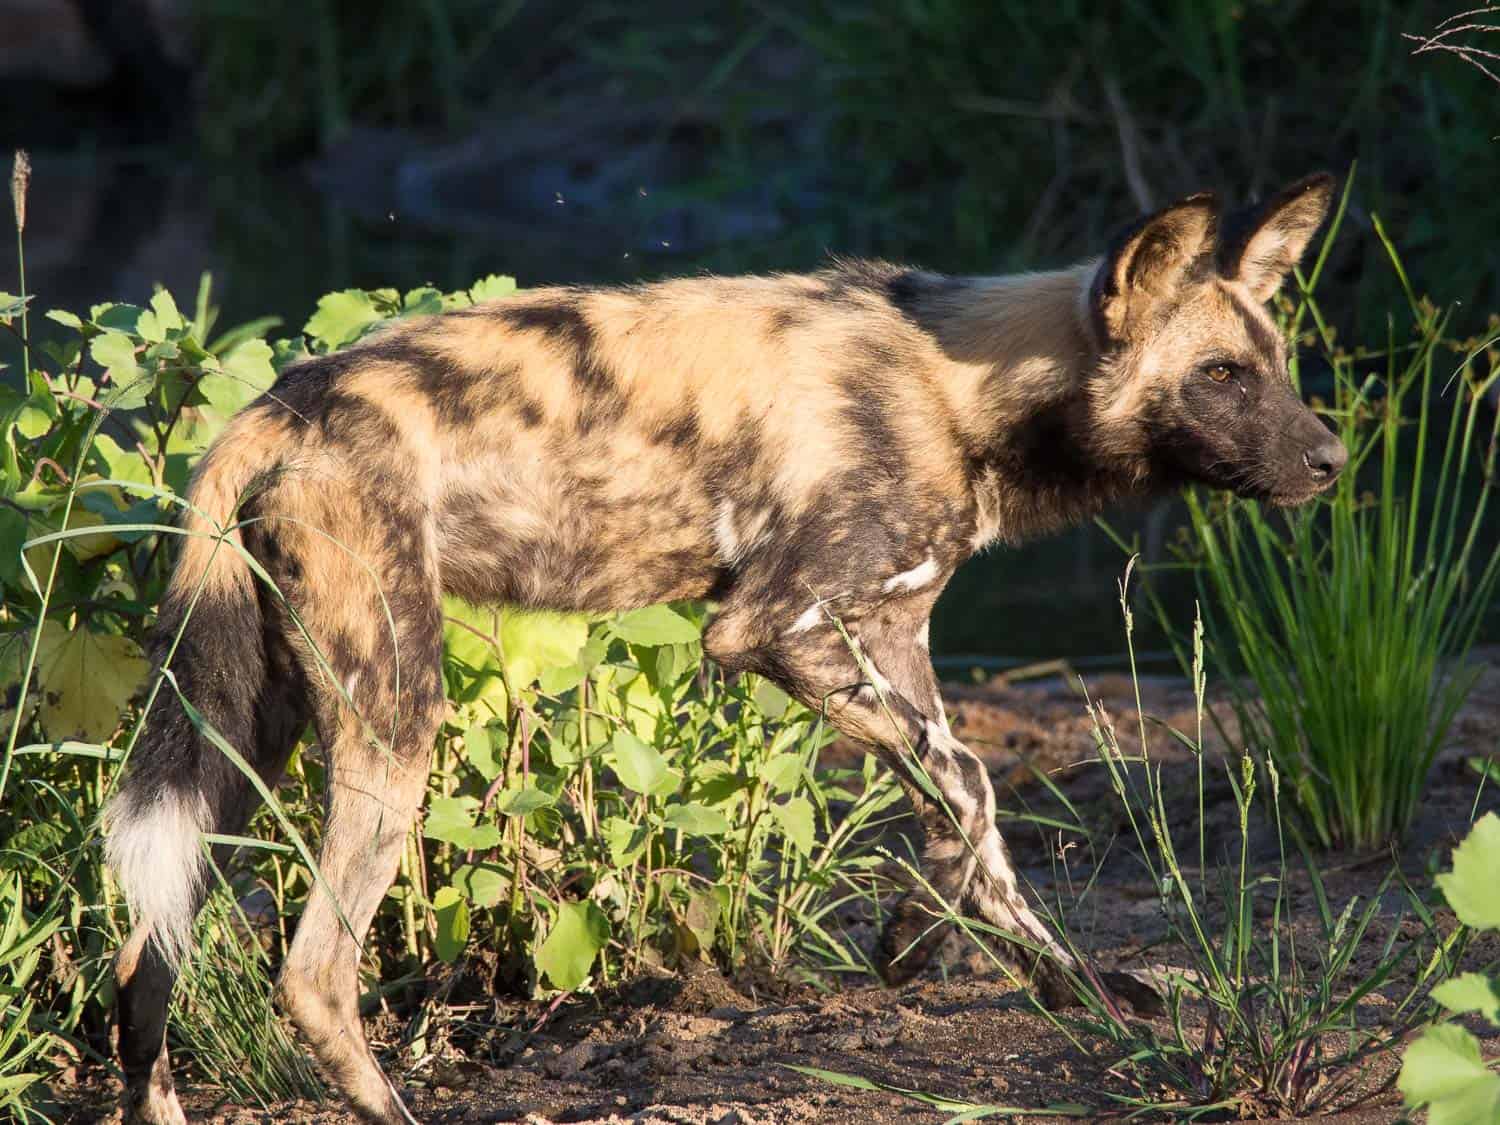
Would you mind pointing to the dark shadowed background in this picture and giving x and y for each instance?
(293, 148)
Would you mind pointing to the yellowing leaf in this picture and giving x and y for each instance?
(82, 547)
(537, 643)
(85, 681)
(473, 660)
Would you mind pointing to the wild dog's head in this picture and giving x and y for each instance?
(1193, 382)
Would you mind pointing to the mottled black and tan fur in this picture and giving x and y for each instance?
(797, 448)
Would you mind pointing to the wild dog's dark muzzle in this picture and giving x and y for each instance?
(1326, 460)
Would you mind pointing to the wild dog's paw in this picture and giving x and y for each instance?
(152, 1105)
(1141, 996)
(908, 941)
(1057, 993)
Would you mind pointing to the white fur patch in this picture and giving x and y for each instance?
(726, 539)
(913, 579)
(736, 535)
(809, 618)
(924, 634)
(154, 850)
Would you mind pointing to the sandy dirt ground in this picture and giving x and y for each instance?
(697, 1048)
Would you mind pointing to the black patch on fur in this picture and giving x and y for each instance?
(680, 432)
(786, 320)
(1048, 449)
(911, 291)
(565, 323)
(560, 321)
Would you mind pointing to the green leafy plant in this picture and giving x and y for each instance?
(1260, 1018)
(1443, 1069)
(602, 803)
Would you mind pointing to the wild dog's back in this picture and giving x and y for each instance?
(599, 448)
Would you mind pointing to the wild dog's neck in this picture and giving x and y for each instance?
(1026, 349)
(1017, 342)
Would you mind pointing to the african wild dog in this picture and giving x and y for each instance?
(793, 447)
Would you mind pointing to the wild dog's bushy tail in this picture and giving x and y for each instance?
(177, 785)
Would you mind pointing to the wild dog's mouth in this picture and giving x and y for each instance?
(1285, 494)
(1312, 472)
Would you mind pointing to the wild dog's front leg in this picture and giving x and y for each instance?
(878, 687)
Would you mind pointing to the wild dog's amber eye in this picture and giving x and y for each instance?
(1221, 373)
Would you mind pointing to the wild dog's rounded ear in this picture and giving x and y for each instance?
(1261, 244)
(1149, 261)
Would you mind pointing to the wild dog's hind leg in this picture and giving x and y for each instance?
(377, 708)
(893, 705)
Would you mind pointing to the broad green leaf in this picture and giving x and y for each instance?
(451, 911)
(568, 951)
(118, 463)
(639, 705)
(115, 352)
(537, 643)
(492, 288)
(1444, 1071)
(85, 679)
(65, 318)
(126, 395)
(1470, 992)
(655, 625)
(118, 318)
(452, 819)
(1472, 888)
(641, 768)
(162, 317)
(695, 819)
(771, 700)
(422, 302)
(796, 819)
(483, 883)
(341, 318)
(513, 802)
(782, 772)
(626, 840)
(244, 374)
(479, 749)
(32, 414)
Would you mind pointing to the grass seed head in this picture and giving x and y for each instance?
(20, 180)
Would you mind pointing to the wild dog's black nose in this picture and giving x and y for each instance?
(1326, 459)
